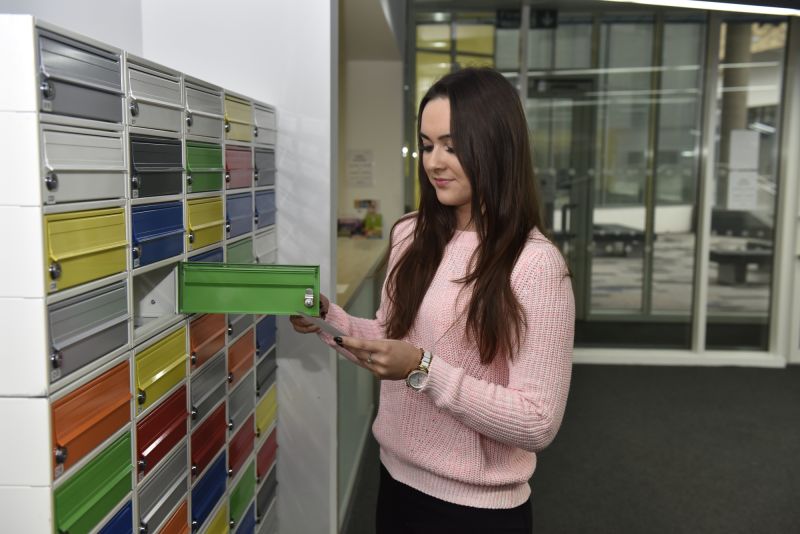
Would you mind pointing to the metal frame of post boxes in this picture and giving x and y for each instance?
(129, 416)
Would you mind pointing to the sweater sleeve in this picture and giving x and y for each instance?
(528, 412)
(367, 328)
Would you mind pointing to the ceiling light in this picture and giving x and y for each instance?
(716, 6)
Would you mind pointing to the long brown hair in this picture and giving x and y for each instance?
(490, 138)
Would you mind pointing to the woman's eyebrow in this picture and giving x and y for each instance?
(441, 137)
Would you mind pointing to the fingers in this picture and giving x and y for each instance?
(302, 326)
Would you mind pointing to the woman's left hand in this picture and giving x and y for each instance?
(388, 359)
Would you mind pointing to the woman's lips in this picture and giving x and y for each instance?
(441, 182)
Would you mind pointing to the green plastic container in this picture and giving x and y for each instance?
(204, 166)
(91, 493)
(243, 493)
(247, 288)
(241, 252)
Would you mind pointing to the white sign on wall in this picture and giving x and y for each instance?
(743, 170)
(359, 168)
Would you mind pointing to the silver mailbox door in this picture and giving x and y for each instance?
(164, 489)
(207, 405)
(211, 375)
(238, 324)
(82, 164)
(266, 246)
(155, 99)
(242, 401)
(87, 327)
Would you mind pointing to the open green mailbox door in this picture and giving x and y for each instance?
(246, 288)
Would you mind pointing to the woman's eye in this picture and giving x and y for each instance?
(427, 148)
(450, 149)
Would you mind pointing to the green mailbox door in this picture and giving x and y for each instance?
(91, 493)
(243, 493)
(247, 288)
(204, 168)
(241, 251)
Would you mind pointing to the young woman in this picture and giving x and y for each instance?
(473, 337)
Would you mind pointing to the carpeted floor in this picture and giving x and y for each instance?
(661, 450)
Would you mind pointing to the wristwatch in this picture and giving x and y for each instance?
(416, 379)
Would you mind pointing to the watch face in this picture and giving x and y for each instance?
(417, 379)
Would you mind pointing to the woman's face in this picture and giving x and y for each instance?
(440, 162)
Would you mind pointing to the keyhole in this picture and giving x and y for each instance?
(152, 301)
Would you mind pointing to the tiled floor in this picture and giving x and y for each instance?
(616, 282)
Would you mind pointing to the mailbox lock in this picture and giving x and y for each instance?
(55, 270)
(255, 174)
(258, 432)
(141, 398)
(227, 125)
(230, 329)
(195, 524)
(137, 252)
(193, 358)
(255, 217)
(135, 181)
(194, 412)
(51, 181)
(61, 455)
(309, 299)
(230, 381)
(255, 131)
(188, 179)
(227, 177)
(48, 89)
(134, 107)
(191, 240)
(189, 119)
(232, 523)
(258, 516)
(228, 227)
(230, 424)
(230, 475)
(194, 469)
(143, 528)
(56, 358)
(142, 465)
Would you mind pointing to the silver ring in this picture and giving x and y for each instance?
(369, 360)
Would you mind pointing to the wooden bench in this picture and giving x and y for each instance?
(733, 263)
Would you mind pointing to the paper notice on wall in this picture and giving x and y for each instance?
(359, 168)
(742, 189)
(743, 150)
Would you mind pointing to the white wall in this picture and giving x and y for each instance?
(280, 52)
(117, 22)
(372, 119)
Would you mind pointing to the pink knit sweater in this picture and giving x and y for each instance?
(471, 435)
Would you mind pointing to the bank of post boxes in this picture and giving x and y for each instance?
(151, 418)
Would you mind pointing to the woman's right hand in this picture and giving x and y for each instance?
(302, 325)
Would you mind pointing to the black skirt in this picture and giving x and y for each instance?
(404, 510)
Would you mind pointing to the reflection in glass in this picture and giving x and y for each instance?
(744, 200)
